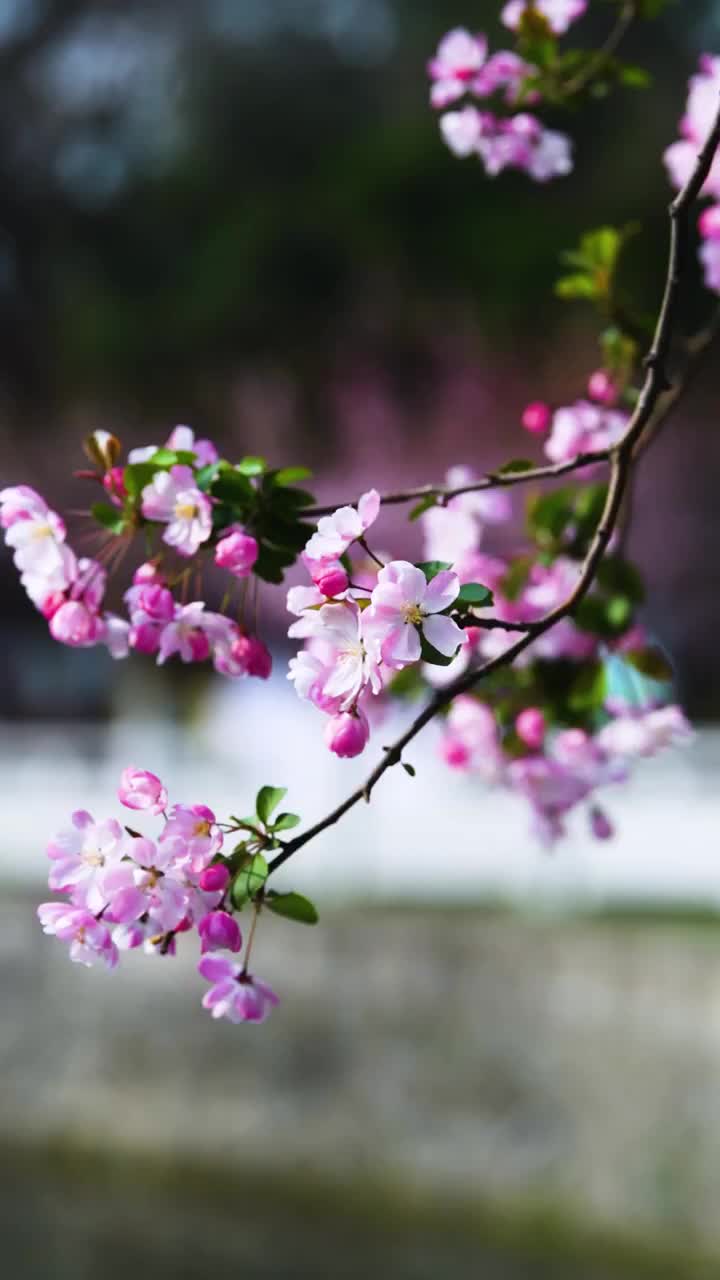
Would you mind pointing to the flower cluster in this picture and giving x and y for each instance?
(194, 511)
(122, 890)
(680, 159)
(517, 140)
(358, 635)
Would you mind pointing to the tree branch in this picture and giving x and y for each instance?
(649, 411)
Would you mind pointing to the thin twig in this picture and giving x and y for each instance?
(649, 411)
(625, 19)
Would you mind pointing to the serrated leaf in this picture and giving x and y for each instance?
(249, 880)
(476, 594)
(430, 500)
(109, 517)
(286, 821)
(431, 568)
(292, 906)
(267, 801)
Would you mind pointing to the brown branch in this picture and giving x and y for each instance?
(649, 410)
(626, 17)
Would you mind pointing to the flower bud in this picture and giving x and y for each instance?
(219, 932)
(75, 625)
(52, 603)
(709, 223)
(147, 574)
(530, 727)
(102, 448)
(141, 790)
(253, 656)
(237, 552)
(600, 825)
(144, 637)
(536, 417)
(114, 485)
(602, 389)
(347, 734)
(157, 602)
(332, 581)
(214, 879)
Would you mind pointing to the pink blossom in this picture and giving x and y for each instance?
(347, 734)
(38, 540)
(188, 634)
(252, 657)
(89, 583)
(310, 673)
(583, 428)
(560, 14)
(149, 602)
(90, 940)
(602, 388)
(141, 790)
(504, 70)
(710, 259)
(471, 740)
(454, 531)
(530, 727)
(536, 417)
(709, 223)
(114, 485)
(144, 637)
(404, 607)
(163, 897)
(600, 825)
(115, 635)
(195, 827)
(80, 854)
(462, 130)
(219, 932)
(215, 878)
(182, 439)
(680, 157)
(21, 503)
(646, 733)
(234, 995)
(459, 57)
(337, 532)
(330, 578)
(75, 625)
(551, 789)
(237, 552)
(148, 574)
(173, 498)
(348, 666)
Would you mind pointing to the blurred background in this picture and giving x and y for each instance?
(239, 215)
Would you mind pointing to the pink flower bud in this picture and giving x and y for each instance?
(602, 388)
(530, 727)
(332, 581)
(75, 625)
(237, 552)
(144, 637)
(536, 417)
(157, 602)
(347, 734)
(51, 604)
(600, 825)
(709, 223)
(214, 879)
(253, 656)
(141, 790)
(148, 573)
(114, 485)
(455, 752)
(199, 646)
(219, 932)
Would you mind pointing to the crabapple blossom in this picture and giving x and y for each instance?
(182, 439)
(173, 498)
(602, 388)
(456, 64)
(406, 607)
(214, 879)
(583, 428)
(530, 727)
(559, 14)
(454, 530)
(189, 633)
(347, 734)
(471, 739)
(219, 932)
(20, 502)
(75, 625)
(645, 733)
(90, 940)
(234, 994)
(81, 853)
(237, 552)
(142, 790)
(195, 828)
(336, 533)
(252, 656)
(536, 417)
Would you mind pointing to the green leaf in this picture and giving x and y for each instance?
(430, 654)
(634, 77)
(251, 466)
(293, 906)
(579, 285)
(589, 690)
(431, 568)
(650, 662)
(516, 465)
(476, 594)
(517, 576)
(206, 476)
(109, 517)
(619, 612)
(268, 799)
(409, 769)
(172, 457)
(287, 476)
(430, 500)
(137, 476)
(292, 498)
(550, 514)
(272, 563)
(617, 576)
(234, 488)
(286, 821)
(249, 880)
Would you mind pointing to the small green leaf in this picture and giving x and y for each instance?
(251, 466)
(650, 662)
(109, 517)
(206, 476)
(268, 799)
(172, 457)
(233, 488)
(430, 654)
(287, 476)
(249, 880)
(619, 612)
(589, 690)
(137, 476)
(516, 465)
(293, 906)
(476, 594)
(430, 500)
(286, 821)
(409, 769)
(431, 568)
